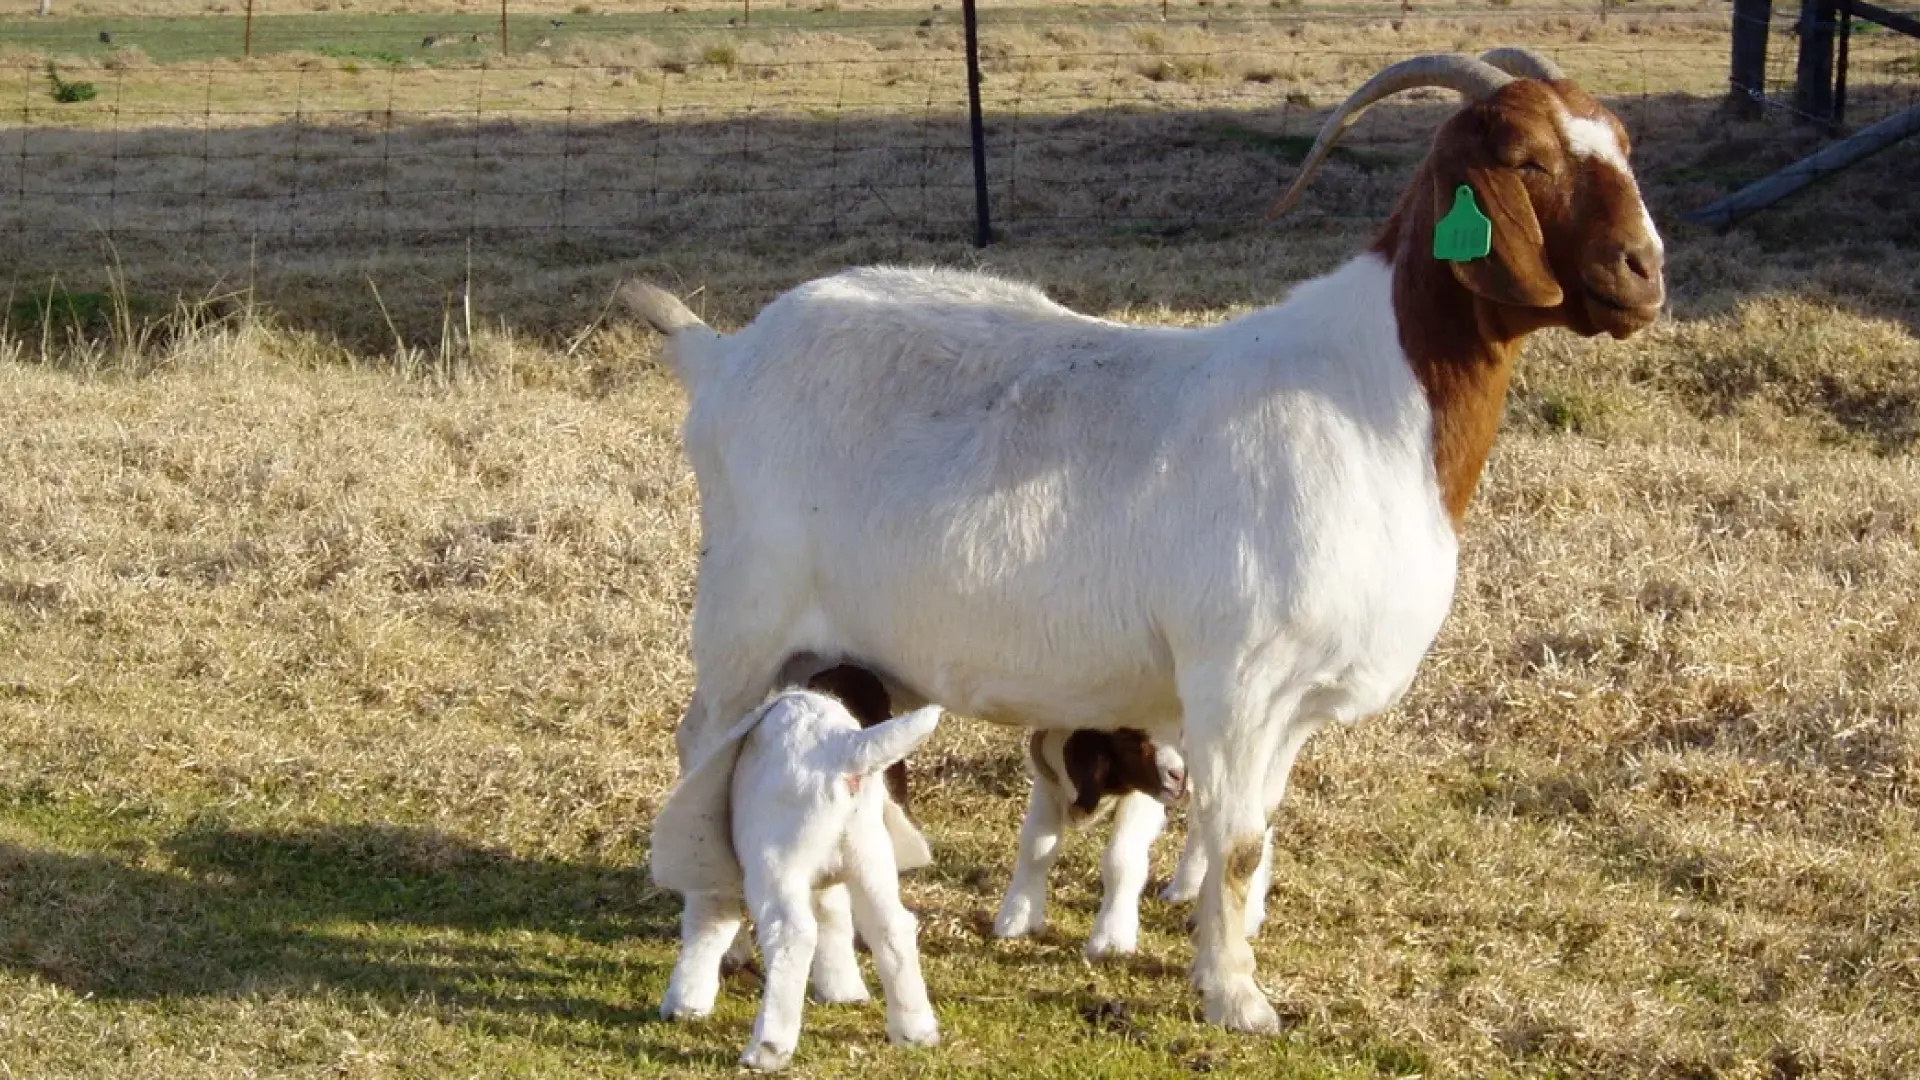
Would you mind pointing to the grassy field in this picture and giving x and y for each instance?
(341, 635)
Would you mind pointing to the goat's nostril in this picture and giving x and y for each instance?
(1639, 265)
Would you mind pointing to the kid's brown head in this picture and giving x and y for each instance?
(1103, 764)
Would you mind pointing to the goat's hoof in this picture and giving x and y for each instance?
(682, 1011)
(1110, 943)
(921, 1030)
(684, 1003)
(766, 1057)
(1018, 919)
(838, 991)
(1240, 1006)
(1179, 892)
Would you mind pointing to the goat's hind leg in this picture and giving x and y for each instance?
(836, 967)
(890, 931)
(737, 656)
(788, 934)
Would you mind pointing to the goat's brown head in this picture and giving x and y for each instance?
(1573, 244)
(1106, 763)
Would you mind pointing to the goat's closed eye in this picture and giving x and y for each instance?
(1535, 165)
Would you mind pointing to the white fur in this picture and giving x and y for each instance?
(1056, 521)
(1138, 819)
(1592, 139)
(808, 826)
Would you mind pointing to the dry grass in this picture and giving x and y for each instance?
(336, 674)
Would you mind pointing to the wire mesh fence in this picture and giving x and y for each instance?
(1872, 71)
(623, 130)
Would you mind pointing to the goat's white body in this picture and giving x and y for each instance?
(807, 822)
(1032, 516)
(1040, 518)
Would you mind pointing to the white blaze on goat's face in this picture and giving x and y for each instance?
(1596, 140)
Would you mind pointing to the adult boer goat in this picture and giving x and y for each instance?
(1229, 536)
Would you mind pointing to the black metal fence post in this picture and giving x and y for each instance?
(1747, 79)
(1840, 71)
(1813, 73)
(983, 229)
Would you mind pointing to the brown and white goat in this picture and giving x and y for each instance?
(1079, 777)
(1232, 535)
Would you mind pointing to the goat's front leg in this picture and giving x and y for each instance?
(1137, 821)
(1233, 737)
(788, 935)
(890, 930)
(708, 924)
(836, 967)
(1024, 911)
(1185, 886)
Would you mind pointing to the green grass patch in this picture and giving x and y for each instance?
(70, 92)
(64, 313)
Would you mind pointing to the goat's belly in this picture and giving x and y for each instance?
(1005, 668)
(1114, 702)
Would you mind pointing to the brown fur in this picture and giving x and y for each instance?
(1104, 764)
(1568, 251)
(861, 692)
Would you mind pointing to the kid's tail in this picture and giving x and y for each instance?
(690, 341)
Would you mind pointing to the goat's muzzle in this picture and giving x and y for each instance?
(1173, 775)
(1623, 286)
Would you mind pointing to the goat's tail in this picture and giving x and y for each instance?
(686, 333)
(875, 748)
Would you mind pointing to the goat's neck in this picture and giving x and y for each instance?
(1461, 348)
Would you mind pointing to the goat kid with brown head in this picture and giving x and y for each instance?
(1080, 777)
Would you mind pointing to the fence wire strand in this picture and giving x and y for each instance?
(648, 126)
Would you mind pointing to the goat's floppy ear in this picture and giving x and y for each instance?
(1095, 768)
(1515, 273)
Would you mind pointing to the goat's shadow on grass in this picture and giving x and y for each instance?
(393, 914)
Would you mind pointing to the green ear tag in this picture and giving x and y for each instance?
(1464, 234)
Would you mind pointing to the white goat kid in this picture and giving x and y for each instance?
(794, 790)
(1049, 520)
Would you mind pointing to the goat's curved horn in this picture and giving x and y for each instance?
(1523, 63)
(1475, 79)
